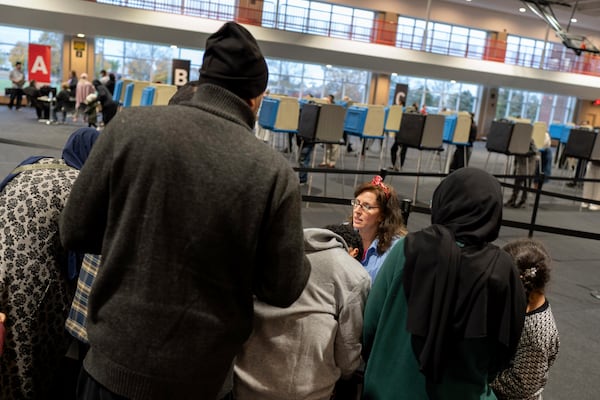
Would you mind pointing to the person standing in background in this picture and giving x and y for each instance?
(110, 84)
(463, 151)
(104, 97)
(73, 83)
(83, 90)
(104, 77)
(17, 77)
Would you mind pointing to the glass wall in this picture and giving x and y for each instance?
(441, 38)
(143, 61)
(317, 18)
(303, 79)
(151, 62)
(14, 44)
(536, 106)
(438, 95)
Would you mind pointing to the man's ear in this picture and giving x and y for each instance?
(255, 103)
(353, 251)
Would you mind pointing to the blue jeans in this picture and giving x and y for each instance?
(304, 160)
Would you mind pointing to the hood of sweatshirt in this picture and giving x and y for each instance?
(317, 239)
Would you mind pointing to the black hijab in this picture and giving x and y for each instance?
(466, 290)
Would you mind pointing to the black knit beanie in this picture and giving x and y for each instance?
(233, 60)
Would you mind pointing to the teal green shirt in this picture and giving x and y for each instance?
(392, 371)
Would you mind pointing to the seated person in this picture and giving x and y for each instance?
(300, 352)
(33, 93)
(62, 102)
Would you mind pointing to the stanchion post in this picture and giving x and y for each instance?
(536, 204)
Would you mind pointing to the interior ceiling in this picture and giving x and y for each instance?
(587, 12)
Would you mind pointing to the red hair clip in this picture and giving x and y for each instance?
(378, 181)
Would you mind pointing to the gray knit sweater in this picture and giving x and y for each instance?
(193, 216)
(299, 353)
(538, 347)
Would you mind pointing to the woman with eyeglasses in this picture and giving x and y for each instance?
(377, 217)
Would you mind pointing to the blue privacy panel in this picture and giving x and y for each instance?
(355, 119)
(449, 127)
(268, 113)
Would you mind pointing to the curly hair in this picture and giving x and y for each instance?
(392, 224)
(532, 261)
(350, 236)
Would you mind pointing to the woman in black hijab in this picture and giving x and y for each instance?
(109, 107)
(447, 309)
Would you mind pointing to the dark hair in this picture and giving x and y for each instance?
(18, 63)
(532, 261)
(350, 236)
(392, 224)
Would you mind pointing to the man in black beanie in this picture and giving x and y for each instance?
(189, 232)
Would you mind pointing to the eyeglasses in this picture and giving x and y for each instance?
(355, 203)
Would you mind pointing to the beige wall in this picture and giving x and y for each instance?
(78, 56)
(587, 112)
(379, 90)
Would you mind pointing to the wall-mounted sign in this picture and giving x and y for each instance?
(39, 63)
(181, 72)
(79, 45)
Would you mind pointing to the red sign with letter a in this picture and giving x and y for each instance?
(39, 63)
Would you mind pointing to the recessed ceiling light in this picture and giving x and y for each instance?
(573, 19)
(394, 74)
(173, 46)
(329, 66)
(80, 35)
(522, 9)
(468, 1)
(453, 81)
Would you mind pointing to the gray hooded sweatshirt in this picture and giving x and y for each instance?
(301, 351)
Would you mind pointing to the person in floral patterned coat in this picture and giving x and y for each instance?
(36, 274)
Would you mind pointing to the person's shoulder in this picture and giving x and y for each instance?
(340, 267)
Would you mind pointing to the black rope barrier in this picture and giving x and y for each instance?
(530, 226)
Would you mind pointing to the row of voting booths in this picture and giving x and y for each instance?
(513, 137)
(133, 93)
(318, 121)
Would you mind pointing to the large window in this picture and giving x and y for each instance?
(151, 62)
(524, 51)
(441, 38)
(318, 18)
(410, 33)
(303, 79)
(438, 95)
(535, 106)
(143, 61)
(14, 44)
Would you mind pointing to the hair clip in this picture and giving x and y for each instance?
(530, 272)
(378, 181)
